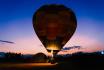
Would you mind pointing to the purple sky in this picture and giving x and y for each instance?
(16, 25)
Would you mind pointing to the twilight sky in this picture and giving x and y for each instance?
(16, 25)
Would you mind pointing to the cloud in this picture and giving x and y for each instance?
(25, 45)
(69, 48)
(87, 44)
(7, 41)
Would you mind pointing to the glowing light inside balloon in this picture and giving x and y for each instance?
(52, 47)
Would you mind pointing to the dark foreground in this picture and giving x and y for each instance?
(77, 61)
(26, 66)
(49, 66)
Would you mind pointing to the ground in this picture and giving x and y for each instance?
(47, 66)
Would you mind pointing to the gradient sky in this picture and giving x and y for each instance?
(16, 25)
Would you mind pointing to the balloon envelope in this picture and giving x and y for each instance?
(54, 25)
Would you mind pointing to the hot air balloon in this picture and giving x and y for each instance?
(54, 25)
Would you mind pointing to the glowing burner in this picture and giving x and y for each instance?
(52, 47)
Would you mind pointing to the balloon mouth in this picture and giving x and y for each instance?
(52, 47)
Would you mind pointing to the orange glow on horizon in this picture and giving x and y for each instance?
(33, 46)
